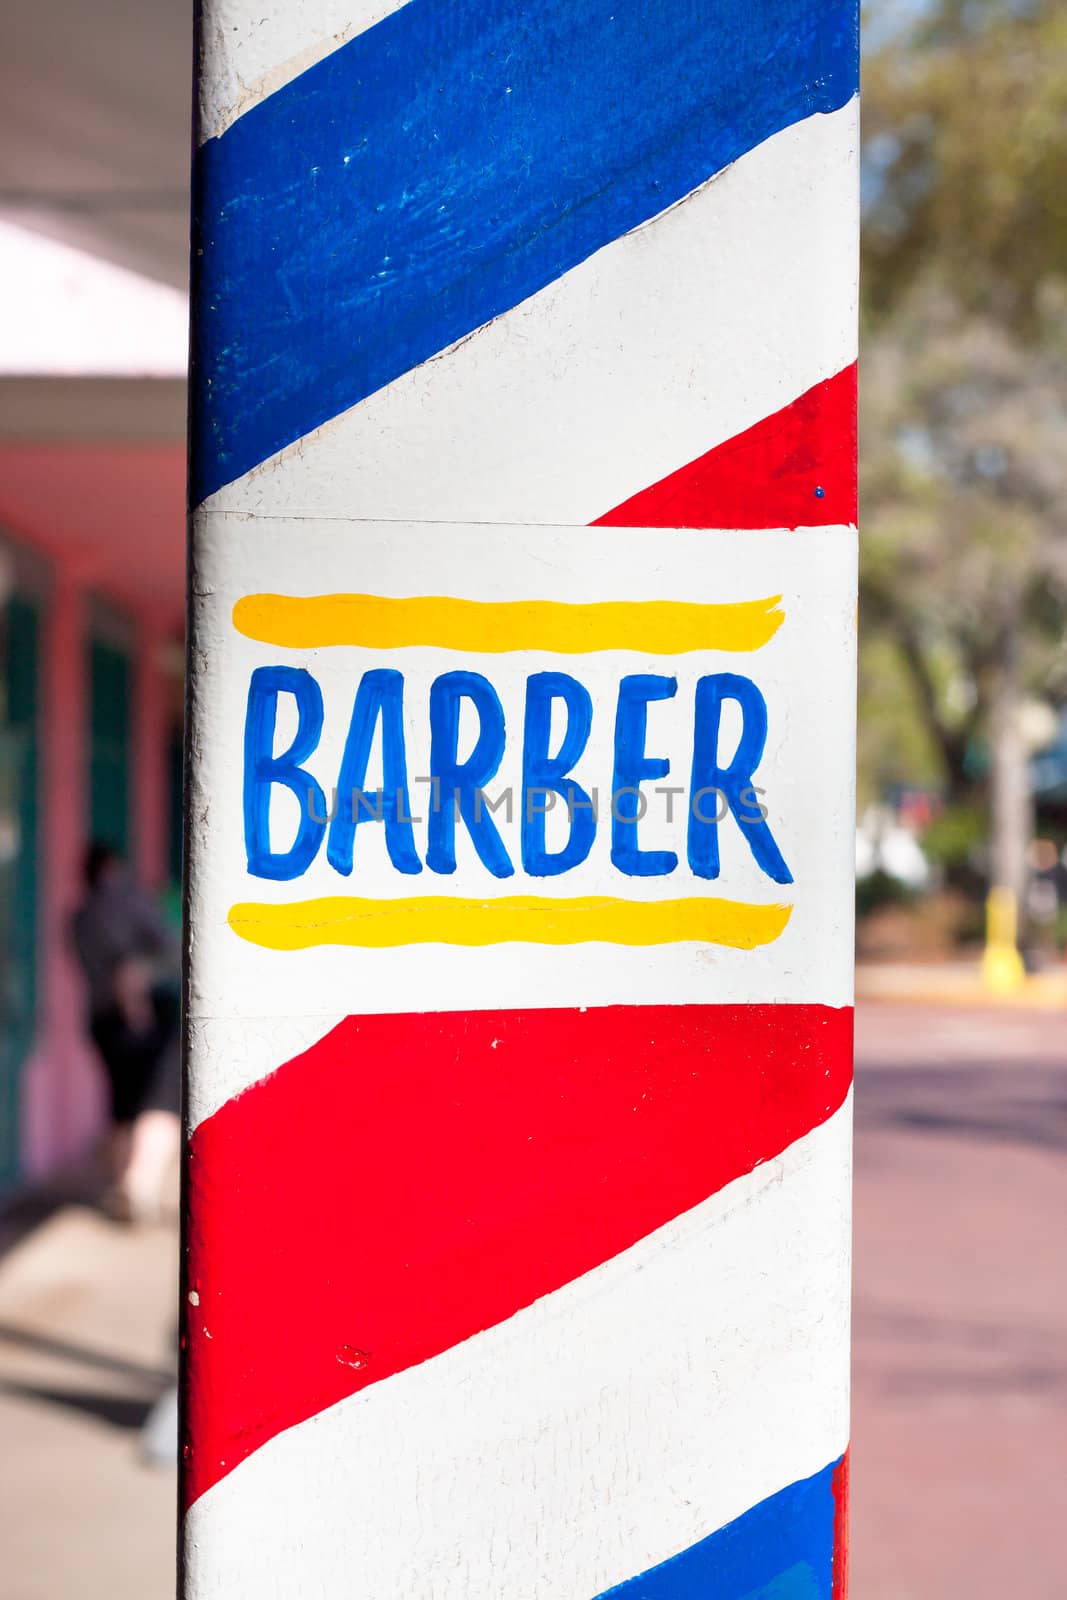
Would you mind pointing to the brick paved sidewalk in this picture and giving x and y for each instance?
(960, 1353)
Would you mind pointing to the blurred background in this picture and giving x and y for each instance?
(960, 1436)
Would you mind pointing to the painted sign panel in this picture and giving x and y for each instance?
(523, 621)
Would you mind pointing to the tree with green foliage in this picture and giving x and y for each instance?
(964, 401)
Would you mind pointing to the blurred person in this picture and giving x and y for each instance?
(130, 959)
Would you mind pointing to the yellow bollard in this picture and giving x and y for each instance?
(1003, 972)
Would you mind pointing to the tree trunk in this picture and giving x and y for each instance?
(951, 743)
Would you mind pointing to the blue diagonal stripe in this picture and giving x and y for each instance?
(783, 1549)
(452, 161)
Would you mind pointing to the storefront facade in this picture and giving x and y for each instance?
(91, 625)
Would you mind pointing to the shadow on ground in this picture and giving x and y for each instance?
(29, 1208)
(980, 1101)
(83, 1354)
(120, 1410)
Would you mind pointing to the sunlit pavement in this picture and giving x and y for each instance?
(960, 1417)
(87, 1329)
(960, 1405)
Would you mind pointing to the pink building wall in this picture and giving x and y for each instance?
(110, 525)
(62, 1091)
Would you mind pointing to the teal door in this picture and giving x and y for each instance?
(19, 862)
(110, 680)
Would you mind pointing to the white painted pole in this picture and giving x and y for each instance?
(520, 838)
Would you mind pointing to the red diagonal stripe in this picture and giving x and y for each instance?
(841, 1499)
(796, 469)
(411, 1180)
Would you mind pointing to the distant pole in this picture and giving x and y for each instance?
(1002, 965)
(520, 800)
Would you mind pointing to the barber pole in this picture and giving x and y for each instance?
(520, 805)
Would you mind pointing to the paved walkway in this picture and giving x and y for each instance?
(960, 1407)
(960, 1420)
(87, 1320)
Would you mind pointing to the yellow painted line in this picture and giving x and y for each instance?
(656, 627)
(521, 919)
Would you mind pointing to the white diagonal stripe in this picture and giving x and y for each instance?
(252, 55)
(628, 367)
